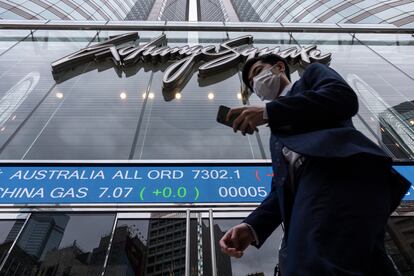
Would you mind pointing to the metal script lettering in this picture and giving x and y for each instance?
(216, 59)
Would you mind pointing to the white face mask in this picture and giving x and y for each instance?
(266, 85)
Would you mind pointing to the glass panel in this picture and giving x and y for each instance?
(9, 229)
(154, 246)
(33, 8)
(200, 247)
(93, 114)
(46, 14)
(371, 20)
(61, 244)
(25, 77)
(11, 16)
(63, 8)
(399, 243)
(77, 16)
(10, 37)
(349, 11)
(254, 261)
(181, 124)
(396, 48)
(385, 93)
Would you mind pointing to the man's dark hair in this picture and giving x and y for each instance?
(271, 59)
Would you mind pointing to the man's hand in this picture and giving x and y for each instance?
(236, 240)
(248, 118)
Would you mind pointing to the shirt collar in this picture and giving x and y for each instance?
(286, 90)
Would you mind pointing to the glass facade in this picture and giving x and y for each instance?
(51, 245)
(9, 231)
(100, 110)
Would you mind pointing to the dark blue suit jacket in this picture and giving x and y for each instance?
(314, 120)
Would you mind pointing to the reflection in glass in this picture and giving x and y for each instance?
(200, 251)
(384, 91)
(123, 95)
(395, 129)
(186, 127)
(129, 249)
(149, 247)
(16, 95)
(200, 247)
(61, 244)
(397, 49)
(25, 72)
(399, 243)
(254, 261)
(9, 229)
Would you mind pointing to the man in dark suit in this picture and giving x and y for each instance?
(333, 188)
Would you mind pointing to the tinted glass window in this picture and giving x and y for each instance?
(381, 81)
(200, 247)
(26, 80)
(9, 229)
(253, 261)
(61, 244)
(154, 246)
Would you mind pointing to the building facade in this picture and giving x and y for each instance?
(130, 89)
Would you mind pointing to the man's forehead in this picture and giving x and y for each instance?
(257, 63)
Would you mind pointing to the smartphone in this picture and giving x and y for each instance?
(221, 116)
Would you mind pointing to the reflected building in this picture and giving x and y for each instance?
(42, 234)
(400, 245)
(128, 256)
(71, 260)
(18, 224)
(397, 130)
(19, 263)
(11, 236)
(167, 248)
(128, 252)
(223, 260)
(166, 241)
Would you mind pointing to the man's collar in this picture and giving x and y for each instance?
(286, 90)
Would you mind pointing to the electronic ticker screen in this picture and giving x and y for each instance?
(63, 184)
(152, 183)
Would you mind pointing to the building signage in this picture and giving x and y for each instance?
(134, 184)
(186, 58)
(408, 172)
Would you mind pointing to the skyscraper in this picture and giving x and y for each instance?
(42, 234)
